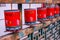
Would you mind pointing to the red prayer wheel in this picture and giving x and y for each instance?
(41, 12)
(56, 11)
(30, 16)
(12, 20)
(50, 12)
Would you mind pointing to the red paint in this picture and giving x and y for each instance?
(56, 10)
(30, 15)
(50, 11)
(12, 18)
(41, 12)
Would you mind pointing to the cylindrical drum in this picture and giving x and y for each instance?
(30, 16)
(50, 12)
(12, 20)
(41, 13)
(56, 11)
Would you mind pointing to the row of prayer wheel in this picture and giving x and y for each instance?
(13, 17)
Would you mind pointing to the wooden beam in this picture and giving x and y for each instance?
(26, 1)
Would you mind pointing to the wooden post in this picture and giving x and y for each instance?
(11, 6)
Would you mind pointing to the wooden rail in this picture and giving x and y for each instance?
(29, 1)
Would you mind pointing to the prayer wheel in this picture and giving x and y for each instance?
(41, 13)
(12, 20)
(50, 12)
(30, 16)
